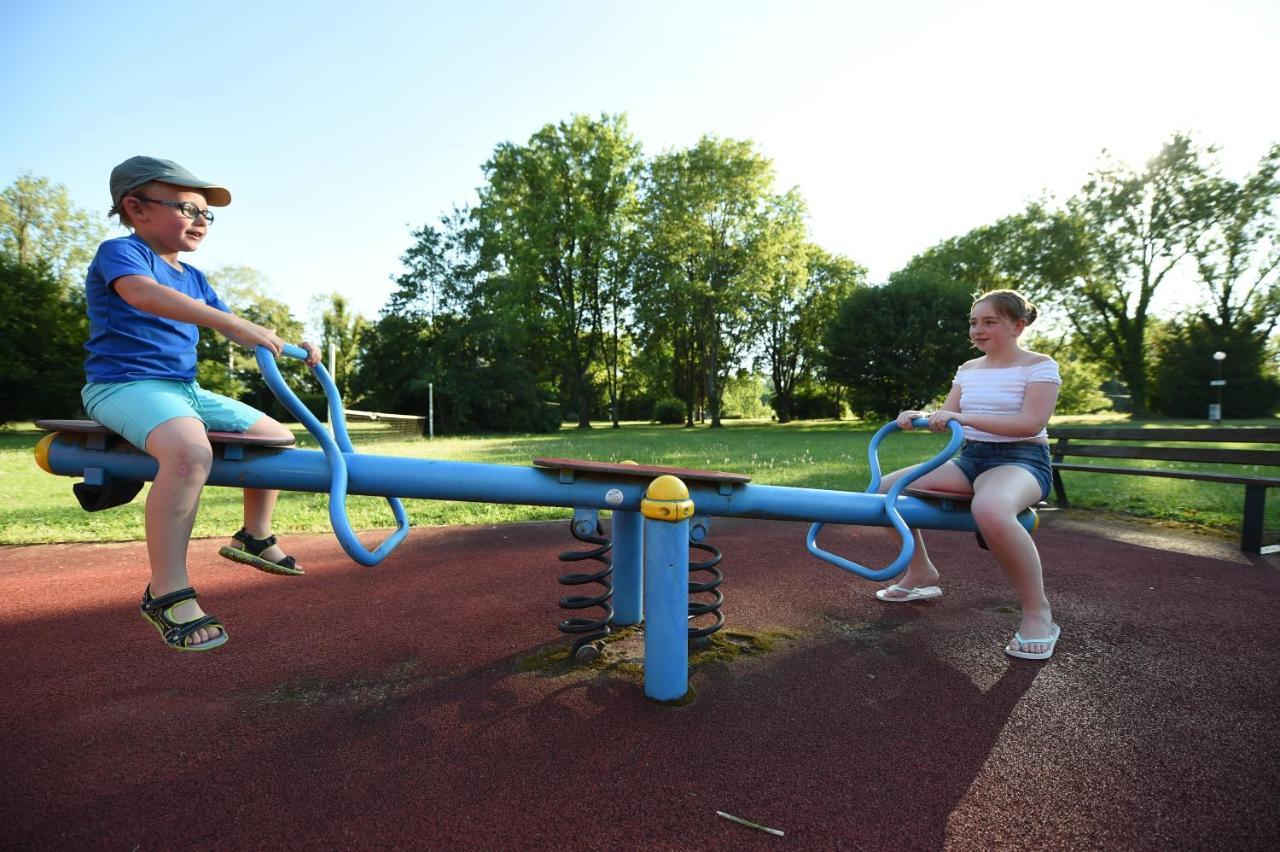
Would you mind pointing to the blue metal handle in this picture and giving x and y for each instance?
(334, 446)
(890, 502)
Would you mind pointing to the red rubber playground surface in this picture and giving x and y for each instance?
(386, 707)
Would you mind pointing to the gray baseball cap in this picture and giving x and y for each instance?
(136, 171)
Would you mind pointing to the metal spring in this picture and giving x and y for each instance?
(704, 607)
(588, 631)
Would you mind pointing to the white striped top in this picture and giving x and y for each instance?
(1000, 390)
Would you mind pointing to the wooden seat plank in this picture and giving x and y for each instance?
(646, 471)
(92, 427)
(935, 494)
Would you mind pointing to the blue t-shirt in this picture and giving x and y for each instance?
(126, 344)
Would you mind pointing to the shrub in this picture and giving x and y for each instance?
(669, 410)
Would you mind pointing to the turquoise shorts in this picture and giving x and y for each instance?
(133, 409)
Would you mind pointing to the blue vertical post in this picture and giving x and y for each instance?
(666, 509)
(628, 568)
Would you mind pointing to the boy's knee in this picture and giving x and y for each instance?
(185, 455)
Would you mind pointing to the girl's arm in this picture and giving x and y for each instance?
(1037, 408)
(147, 295)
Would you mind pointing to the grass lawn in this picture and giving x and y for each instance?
(38, 508)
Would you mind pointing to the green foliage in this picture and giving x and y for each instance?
(669, 411)
(800, 301)
(41, 344)
(897, 347)
(707, 215)
(1101, 259)
(1184, 366)
(552, 217)
(1238, 255)
(1082, 379)
(342, 330)
(452, 328)
(232, 369)
(39, 226)
(813, 402)
(744, 396)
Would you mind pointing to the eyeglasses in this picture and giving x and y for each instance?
(185, 208)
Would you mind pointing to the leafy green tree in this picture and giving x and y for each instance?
(1183, 366)
(39, 226)
(230, 369)
(744, 395)
(1102, 258)
(551, 218)
(1236, 259)
(898, 346)
(706, 210)
(1238, 256)
(341, 329)
(453, 323)
(801, 299)
(42, 335)
(1082, 379)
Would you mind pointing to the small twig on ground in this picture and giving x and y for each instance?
(749, 824)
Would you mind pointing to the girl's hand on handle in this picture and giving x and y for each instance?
(313, 353)
(939, 419)
(905, 418)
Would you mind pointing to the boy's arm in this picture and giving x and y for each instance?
(146, 295)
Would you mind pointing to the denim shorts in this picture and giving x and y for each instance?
(133, 409)
(977, 457)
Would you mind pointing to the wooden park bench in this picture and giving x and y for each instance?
(1141, 444)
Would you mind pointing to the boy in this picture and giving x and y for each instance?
(144, 308)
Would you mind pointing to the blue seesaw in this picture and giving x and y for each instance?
(654, 520)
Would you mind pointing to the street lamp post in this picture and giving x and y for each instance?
(1215, 409)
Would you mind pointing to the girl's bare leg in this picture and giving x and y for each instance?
(921, 570)
(999, 495)
(181, 449)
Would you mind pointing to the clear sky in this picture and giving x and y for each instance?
(341, 126)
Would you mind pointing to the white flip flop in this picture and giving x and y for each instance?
(919, 593)
(1051, 641)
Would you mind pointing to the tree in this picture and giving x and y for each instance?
(897, 347)
(1102, 258)
(230, 369)
(1082, 379)
(801, 299)
(1238, 255)
(42, 335)
(551, 215)
(342, 330)
(706, 210)
(1183, 367)
(454, 322)
(39, 226)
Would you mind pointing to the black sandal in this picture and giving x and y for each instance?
(250, 554)
(176, 633)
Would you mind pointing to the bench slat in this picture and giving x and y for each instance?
(1211, 455)
(1264, 435)
(1201, 476)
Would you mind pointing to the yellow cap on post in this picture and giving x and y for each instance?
(667, 499)
(42, 451)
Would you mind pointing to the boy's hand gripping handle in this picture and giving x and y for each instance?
(334, 446)
(890, 502)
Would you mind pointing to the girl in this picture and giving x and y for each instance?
(1004, 400)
